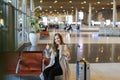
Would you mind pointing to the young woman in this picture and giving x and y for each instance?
(59, 55)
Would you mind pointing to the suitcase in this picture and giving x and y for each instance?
(82, 70)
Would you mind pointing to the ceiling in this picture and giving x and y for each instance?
(70, 6)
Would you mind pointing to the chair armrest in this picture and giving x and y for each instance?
(18, 66)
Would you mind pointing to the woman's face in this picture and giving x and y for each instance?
(57, 40)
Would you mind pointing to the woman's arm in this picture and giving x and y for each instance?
(47, 51)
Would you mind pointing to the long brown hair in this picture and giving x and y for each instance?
(55, 46)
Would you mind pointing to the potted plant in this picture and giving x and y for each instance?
(35, 28)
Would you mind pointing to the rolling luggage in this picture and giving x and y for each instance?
(82, 70)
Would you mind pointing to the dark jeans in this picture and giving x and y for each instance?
(51, 72)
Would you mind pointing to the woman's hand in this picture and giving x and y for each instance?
(47, 46)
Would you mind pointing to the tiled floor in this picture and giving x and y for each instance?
(105, 71)
(100, 71)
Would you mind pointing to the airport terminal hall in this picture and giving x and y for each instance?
(59, 39)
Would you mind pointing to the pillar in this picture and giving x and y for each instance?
(76, 15)
(114, 13)
(23, 19)
(89, 15)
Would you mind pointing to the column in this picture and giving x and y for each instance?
(114, 13)
(89, 15)
(16, 4)
(23, 19)
(76, 15)
(31, 6)
(67, 18)
(113, 52)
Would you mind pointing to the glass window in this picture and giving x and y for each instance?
(15, 30)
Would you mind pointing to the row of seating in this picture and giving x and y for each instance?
(44, 33)
(25, 63)
(109, 31)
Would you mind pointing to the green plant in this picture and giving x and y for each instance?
(35, 27)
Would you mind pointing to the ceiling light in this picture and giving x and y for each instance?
(50, 11)
(50, 6)
(72, 7)
(70, 1)
(98, 2)
(55, 1)
(108, 3)
(61, 6)
(41, 1)
(103, 8)
(111, 2)
(64, 10)
(46, 10)
(84, 2)
(83, 7)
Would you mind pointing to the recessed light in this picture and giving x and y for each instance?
(111, 3)
(64, 10)
(103, 8)
(98, 2)
(84, 2)
(50, 11)
(72, 7)
(108, 3)
(61, 6)
(41, 1)
(83, 7)
(55, 1)
(70, 1)
(50, 6)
